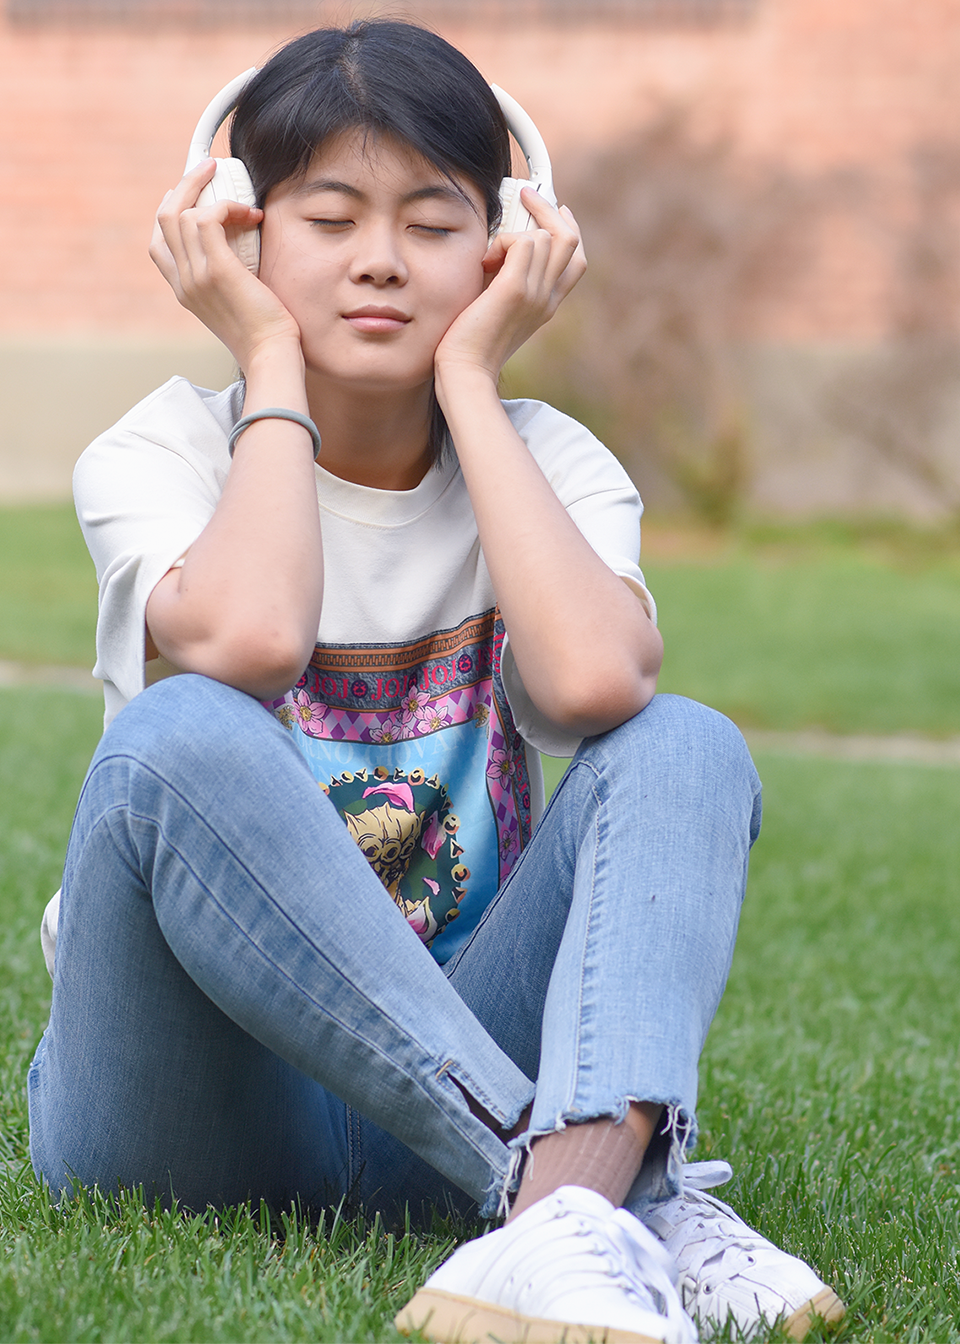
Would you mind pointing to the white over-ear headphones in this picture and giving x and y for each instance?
(231, 181)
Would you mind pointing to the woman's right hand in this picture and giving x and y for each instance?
(190, 248)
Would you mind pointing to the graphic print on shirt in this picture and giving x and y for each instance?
(416, 747)
(405, 828)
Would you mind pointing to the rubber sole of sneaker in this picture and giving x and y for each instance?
(825, 1307)
(448, 1319)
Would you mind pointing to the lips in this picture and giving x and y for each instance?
(375, 320)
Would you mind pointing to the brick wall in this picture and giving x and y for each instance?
(94, 123)
(841, 96)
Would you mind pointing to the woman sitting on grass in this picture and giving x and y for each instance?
(311, 947)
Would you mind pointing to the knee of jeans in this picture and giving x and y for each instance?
(187, 718)
(698, 740)
(673, 719)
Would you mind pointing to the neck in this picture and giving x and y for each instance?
(374, 439)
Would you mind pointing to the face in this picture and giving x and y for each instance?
(374, 252)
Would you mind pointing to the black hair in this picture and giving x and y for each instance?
(385, 78)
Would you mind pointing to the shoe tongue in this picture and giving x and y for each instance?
(643, 1245)
(706, 1175)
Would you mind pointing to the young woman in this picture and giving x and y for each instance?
(309, 946)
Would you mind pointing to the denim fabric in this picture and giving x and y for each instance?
(240, 1010)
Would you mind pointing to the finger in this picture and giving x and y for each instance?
(523, 273)
(568, 215)
(513, 255)
(564, 233)
(495, 255)
(577, 265)
(161, 255)
(547, 216)
(167, 226)
(203, 231)
(184, 195)
(192, 183)
(159, 250)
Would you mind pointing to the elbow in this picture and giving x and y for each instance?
(587, 713)
(587, 707)
(264, 664)
(257, 646)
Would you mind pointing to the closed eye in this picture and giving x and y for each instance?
(330, 224)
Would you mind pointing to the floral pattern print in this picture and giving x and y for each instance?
(501, 765)
(367, 717)
(389, 730)
(432, 719)
(307, 711)
(413, 704)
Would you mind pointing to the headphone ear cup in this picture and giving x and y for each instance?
(514, 216)
(231, 182)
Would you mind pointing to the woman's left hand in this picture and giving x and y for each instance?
(529, 276)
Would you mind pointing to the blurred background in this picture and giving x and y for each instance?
(769, 190)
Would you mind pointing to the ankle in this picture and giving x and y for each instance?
(601, 1155)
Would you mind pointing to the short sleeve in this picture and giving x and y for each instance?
(602, 500)
(144, 492)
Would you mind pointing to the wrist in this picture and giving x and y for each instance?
(455, 382)
(282, 413)
(276, 366)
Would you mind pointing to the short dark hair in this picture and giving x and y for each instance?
(381, 76)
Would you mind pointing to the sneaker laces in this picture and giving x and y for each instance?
(706, 1175)
(648, 1268)
(711, 1231)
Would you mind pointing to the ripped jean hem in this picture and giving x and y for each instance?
(659, 1178)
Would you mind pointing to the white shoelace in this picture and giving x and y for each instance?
(647, 1262)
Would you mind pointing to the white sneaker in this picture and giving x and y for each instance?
(570, 1268)
(726, 1269)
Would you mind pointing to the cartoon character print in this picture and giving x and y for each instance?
(403, 825)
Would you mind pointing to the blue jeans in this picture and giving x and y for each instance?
(241, 1012)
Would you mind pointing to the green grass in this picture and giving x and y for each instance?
(831, 1078)
(832, 1073)
(48, 589)
(826, 626)
(847, 638)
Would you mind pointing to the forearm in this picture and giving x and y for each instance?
(245, 606)
(556, 595)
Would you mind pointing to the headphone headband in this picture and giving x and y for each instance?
(213, 117)
(519, 123)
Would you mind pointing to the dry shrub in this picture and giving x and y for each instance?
(683, 244)
(902, 401)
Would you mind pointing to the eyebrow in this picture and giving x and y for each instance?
(432, 193)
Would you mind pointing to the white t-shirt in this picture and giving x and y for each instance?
(411, 715)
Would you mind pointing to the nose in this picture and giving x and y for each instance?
(378, 258)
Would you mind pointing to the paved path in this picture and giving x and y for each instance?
(68, 678)
(907, 747)
(910, 747)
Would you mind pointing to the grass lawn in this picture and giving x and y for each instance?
(48, 589)
(814, 628)
(857, 632)
(830, 1079)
